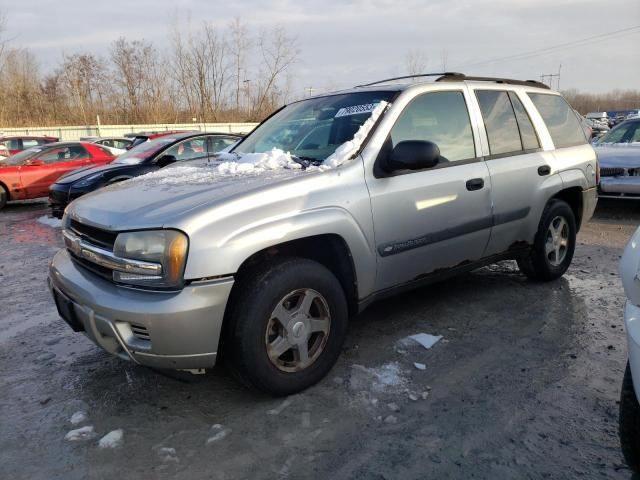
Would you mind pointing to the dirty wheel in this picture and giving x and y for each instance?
(629, 422)
(554, 243)
(288, 323)
(4, 196)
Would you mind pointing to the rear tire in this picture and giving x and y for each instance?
(554, 243)
(4, 197)
(288, 322)
(629, 422)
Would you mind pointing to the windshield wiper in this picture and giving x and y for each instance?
(306, 161)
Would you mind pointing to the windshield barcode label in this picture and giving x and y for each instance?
(356, 110)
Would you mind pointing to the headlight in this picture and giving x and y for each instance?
(167, 248)
(87, 180)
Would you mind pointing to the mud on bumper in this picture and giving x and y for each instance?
(176, 330)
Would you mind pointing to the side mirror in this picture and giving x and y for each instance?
(34, 163)
(165, 160)
(413, 155)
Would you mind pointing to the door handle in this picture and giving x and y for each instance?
(475, 184)
(544, 170)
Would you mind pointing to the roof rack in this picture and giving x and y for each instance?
(457, 77)
(461, 76)
(441, 75)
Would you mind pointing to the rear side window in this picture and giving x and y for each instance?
(441, 118)
(527, 132)
(499, 121)
(561, 121)
(28, 143)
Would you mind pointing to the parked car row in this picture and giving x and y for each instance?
(65, 170)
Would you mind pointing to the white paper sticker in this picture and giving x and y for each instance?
(356, 110)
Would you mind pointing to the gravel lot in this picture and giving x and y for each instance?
(524, 383)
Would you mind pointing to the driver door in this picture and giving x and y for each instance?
(39, 173)
(436, 218)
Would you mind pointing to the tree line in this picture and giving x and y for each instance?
(206, 74)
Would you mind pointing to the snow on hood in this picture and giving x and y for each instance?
(240, 164)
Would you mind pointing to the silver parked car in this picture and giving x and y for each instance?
(619, 156)
(629, 420)
(332, 203)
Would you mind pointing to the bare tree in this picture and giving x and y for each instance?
(239, 45)
(415, 62)
(278, 52)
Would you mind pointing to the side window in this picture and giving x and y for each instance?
(123, 144)
(499, 121)
(13, 144)
(527, 132)
(64, 154)
(189, 149)
(562, 123)
(220, 143)
(441, 118)
(31, 143)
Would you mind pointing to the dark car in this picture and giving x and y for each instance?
(144, 158)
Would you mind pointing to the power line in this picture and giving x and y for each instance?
(549, 49)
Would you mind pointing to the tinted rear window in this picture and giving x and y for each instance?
(562, 123)
(500, 122)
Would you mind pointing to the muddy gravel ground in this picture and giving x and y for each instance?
(524, 383)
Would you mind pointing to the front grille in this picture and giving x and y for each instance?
(611, 172)
(104, 272)
(140, 332)
(96, 236)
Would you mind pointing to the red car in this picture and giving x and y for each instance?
(30, 173)
(16, 144)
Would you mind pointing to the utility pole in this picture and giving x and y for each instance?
(309, 90)
(551, 76)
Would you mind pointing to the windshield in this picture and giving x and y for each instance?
(628, 132)
(143, 151)
(313, 129)
(20, 158)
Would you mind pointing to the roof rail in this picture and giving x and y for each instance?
(456, 77)
(441, 75)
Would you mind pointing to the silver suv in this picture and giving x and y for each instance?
(262, 254)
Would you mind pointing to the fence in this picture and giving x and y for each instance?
(75, 132)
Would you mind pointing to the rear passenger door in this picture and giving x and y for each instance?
(436, 218)
(518, 167)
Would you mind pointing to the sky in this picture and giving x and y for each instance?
(343, 43)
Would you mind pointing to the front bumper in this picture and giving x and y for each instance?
(61, 195)
(620, 185)
(632, 324)
(176, 330)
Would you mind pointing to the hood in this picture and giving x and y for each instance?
(83, 172)
(619, 155)
(166, 198)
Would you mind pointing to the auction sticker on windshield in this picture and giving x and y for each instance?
(356, 110)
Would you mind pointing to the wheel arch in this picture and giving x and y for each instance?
(573, 197)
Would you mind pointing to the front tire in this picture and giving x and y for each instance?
(629, 422)
(4, 197)
(288, 322)
(554, 244)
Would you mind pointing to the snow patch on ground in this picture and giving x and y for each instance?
(389, 376)
(424, 339)
(112, 439)
(78, 418)
(217, 433)
(51, 222)
(79, 434)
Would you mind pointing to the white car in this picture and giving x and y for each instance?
(116, 145)
(629, 422)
